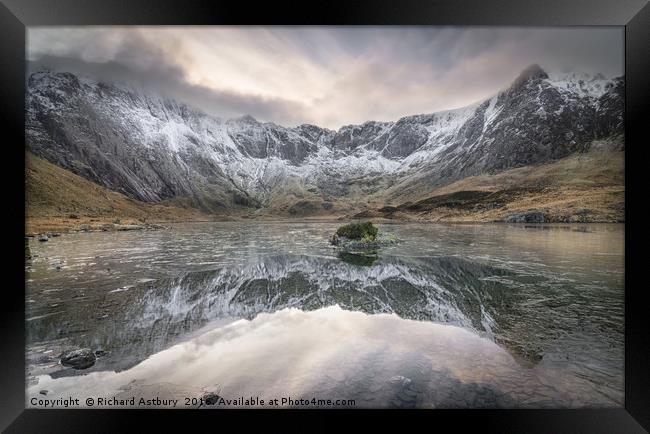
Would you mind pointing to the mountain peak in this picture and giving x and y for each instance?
(530, 72)
(248, 119)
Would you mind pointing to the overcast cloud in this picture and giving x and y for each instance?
(329, 76)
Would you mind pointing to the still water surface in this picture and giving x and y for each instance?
(489, 315)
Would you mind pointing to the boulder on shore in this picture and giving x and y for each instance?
(529, 217)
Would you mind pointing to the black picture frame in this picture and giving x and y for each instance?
(16, 15)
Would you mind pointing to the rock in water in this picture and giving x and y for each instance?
(361, 237)
(78, 359)
(210, 398)
(43, 238)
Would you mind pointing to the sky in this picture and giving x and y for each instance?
(327, 76)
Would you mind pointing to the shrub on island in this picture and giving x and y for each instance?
(358, 231)
(355, 236)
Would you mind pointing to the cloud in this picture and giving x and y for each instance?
(138, 63)
(330, 76)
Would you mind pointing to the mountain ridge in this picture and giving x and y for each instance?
(154, 149)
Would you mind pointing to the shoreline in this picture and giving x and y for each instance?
(45, 229)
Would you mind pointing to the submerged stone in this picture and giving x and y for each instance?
(210, 398)
(78, 359)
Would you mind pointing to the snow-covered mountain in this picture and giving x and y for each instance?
(153, 149)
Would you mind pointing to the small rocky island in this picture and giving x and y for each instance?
(361, 237)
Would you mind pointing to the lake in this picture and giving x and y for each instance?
(453, 316)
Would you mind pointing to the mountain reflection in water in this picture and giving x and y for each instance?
(541, 319)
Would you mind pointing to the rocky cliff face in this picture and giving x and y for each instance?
(154, 149)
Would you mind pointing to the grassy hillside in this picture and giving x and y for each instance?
(58, 200)
(587, 187)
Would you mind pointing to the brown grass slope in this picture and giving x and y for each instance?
(59, 200)
(587, 187)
